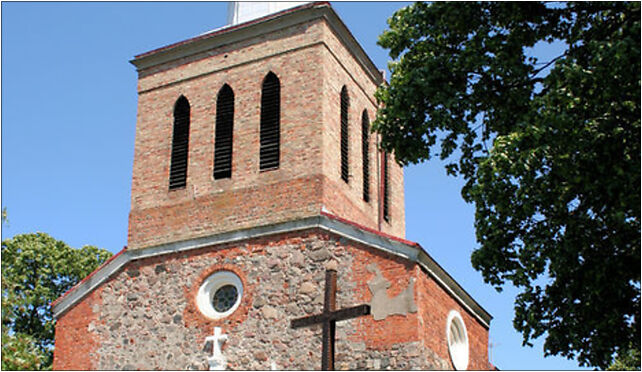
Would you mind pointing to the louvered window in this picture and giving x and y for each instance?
(386, 189)
(224, 133)
(270, 126)
(365, 131)
(345, 105)
(180, 145)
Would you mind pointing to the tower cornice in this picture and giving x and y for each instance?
(270, 23)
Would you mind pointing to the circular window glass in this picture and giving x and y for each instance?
(224, 298)
(457, 340)
(220, 294)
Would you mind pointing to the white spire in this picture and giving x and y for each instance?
(243, 11)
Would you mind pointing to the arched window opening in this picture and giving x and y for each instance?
(270, 123)
(365, 131)
(345, 105)
(224, 132)
(180, 145)
(386, 189)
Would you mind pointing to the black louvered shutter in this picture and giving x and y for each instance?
(345, 104)
(270, 126)
(224, 133)
(365, 131)
(386, 189)
(180, 145)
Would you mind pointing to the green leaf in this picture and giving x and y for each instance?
(549, 152)
(36, 270)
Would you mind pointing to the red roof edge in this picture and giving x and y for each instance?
(54, 302)
(227, 29)
(323, 213)
(377, 232)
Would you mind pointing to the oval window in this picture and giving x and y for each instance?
(457, 340)
(220, 294)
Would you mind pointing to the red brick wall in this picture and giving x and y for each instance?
(75, 344)
(381, 334)
(300, 133)
(207, 214)
(342, 69)
(436, 305)
(428, 324)
(312, 65)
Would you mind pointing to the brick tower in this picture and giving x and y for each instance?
(254, 173)
(314, 57)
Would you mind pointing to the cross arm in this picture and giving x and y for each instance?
(343, 314)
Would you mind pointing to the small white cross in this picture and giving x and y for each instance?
(217, 361)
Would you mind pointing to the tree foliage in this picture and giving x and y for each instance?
(20, 353)
(549, 151)
(36, 270)
(629, 360)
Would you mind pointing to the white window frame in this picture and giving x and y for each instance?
(209, 287)
(457, 338)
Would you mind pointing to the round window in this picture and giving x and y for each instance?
(220, 294)
(224, 298)
(457, 340)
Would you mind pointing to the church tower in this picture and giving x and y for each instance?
(255, 177)
(286, 97)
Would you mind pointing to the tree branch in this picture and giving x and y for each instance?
(536, 72)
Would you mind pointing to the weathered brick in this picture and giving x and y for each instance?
(312, 65)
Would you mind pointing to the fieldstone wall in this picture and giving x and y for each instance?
(146, 321)
(145, 316)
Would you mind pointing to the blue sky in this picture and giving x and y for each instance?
(68, 123)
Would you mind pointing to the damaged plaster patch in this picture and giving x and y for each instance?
(381, 305)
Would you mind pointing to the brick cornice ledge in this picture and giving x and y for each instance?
(398, 247)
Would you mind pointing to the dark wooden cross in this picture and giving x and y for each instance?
(329, 317)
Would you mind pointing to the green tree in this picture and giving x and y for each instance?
(549, 152)
(20, 353)
(37, 269)
(628, 360)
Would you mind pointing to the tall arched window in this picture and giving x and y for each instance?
(180, 145)
(345, 105)
(270, 122)
(386, 189)
(365, 131)
(224, 132)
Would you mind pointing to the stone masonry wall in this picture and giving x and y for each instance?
(145, 317)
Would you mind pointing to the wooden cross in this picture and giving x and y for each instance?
(329, 317)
